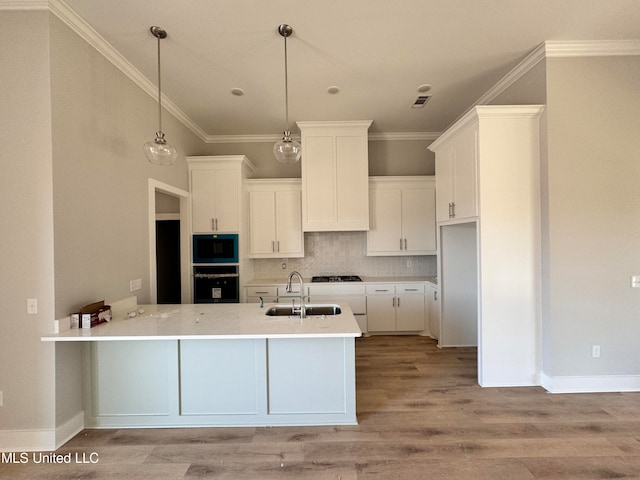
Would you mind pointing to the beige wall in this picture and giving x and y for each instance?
(26, 256)
(593, 216)
(101, 119)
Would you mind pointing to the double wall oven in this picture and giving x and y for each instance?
(215, 269)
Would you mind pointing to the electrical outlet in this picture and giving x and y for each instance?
(635, 281)
(32, 306)
(409, 264)
(595, 351)
(135, 285)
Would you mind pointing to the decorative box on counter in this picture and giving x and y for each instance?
(91, 315)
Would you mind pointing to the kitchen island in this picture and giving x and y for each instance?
(218, 365)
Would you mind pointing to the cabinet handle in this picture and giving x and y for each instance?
(382, 290)
(410, 289)
(398, 302)
(453, 209)
(435, 295)
(273, 246)
(262, 293)
(400, 244)
(278, 245)
(405, 243)
(394, 301)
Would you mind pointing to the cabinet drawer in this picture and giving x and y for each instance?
(380, 289)
(340, 289)
(410, 289)
(262, 291)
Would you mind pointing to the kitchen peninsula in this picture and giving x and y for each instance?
(217, 365)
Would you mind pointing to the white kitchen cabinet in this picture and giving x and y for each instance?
(432, 304)
(275, 219)
(215, 186)
(395, 308)
(403, 220)
(456, 175)
(335, 176)
(489, 262)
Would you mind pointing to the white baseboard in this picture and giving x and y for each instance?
(69, 429)
(40, 440)
(592, 384)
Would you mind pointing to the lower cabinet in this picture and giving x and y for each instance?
(395, 308)
(218, 382)
(432, 304)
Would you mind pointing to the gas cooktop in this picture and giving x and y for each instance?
(336, 278)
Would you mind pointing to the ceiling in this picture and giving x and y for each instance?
(377, 52)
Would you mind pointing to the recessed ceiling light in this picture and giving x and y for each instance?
(425, 87)
(333, 90)
(238, 92)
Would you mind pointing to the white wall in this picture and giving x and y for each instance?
(26, 203)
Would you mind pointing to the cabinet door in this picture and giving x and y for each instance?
(418, 224)
(214, 201)
(410, 312)
(352, 182)
(318, 182)
(381, 313)
(444, 182)
(262, 224)
(288, 222)
(385, 232)
(464, 173)
(226, 190)
(434, 312)
(203, 200)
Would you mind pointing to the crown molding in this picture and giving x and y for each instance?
(591, 48)
(555, 48)
(24, 5)
(385, 136)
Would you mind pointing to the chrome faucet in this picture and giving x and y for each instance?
(291, 275)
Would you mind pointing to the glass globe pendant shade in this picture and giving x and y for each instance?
(159, 152)
(287, 150)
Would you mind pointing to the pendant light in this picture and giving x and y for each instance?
(286, 150)
(158, 151)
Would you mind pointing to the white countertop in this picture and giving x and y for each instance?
(212, 321)
(365, 280)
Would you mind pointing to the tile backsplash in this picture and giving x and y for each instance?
(343, 253)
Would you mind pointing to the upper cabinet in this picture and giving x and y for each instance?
(456, 173)
(335, 176)
(403, 218)
(215, 184)
(275, 218)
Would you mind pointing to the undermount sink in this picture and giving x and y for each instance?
(310, 310)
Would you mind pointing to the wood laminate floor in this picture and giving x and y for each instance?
(421, 416)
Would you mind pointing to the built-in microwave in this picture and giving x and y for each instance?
(215, 248)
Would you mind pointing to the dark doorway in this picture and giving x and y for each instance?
(168, 261)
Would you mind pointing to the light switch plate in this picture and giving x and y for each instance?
(32, 306)
(135, 285)
(635, 281)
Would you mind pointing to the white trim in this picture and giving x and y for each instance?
(69, 429)
(41, 440)
(27, 440)
(590, 384)
(404, 136)
(167, 216)
(24, 5)
(591, 48)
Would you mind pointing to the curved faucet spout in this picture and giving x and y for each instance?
(303, 313)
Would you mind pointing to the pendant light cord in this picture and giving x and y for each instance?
(286, 85)
(159, 92)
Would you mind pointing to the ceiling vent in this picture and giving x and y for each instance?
(421, 101)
